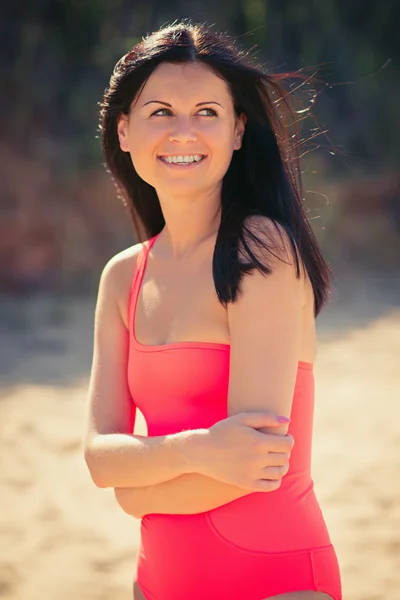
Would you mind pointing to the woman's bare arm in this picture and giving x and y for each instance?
(193, 493)
(265, 329)
(115, 457)
(186, 495)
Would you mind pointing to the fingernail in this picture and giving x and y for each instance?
(283, 419)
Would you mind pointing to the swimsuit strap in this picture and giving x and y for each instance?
(137, 278)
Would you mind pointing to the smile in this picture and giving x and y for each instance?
(188, 160)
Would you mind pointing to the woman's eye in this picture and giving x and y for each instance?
(160, 110)
(211, 111)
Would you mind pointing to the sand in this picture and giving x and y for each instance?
(62, 538)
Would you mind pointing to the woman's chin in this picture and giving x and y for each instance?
(182, 188)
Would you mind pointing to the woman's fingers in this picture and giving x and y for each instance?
(275, 472)
(257, 420)
(277, 459)
(274, 443)
(267, 485)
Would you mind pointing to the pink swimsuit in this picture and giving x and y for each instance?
(258, 546)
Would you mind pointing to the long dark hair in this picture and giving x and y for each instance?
(263, 177)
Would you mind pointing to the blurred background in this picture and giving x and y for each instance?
(61, 221)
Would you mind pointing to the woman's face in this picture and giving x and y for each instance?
(184, 110)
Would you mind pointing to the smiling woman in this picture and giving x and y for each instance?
(207, 325)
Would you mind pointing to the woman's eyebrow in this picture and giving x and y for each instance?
(170, 105)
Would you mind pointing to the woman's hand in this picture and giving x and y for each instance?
(234, 452)
(224, 463)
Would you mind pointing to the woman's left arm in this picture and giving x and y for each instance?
(265, 325)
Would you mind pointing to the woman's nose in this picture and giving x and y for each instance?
(183, 131)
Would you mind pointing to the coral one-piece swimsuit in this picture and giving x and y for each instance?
(255, 547)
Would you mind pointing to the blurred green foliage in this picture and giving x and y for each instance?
(58, 56)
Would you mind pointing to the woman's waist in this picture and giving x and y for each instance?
(265, 522)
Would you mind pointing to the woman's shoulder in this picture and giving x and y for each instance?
(273, 245)
(262, 233)
(117, 275)
(122, 264)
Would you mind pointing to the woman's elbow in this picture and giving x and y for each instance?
(95, 466)
(126, 500)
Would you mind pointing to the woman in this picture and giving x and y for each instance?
(208, 327)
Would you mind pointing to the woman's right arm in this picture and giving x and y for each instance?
(115, 457)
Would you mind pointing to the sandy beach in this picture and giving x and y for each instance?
(62, 538)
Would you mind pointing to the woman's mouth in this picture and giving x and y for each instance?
(182, 161)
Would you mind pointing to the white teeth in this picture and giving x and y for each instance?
(182, 159)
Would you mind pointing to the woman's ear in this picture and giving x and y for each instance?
(122, 129)
(239, 131)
